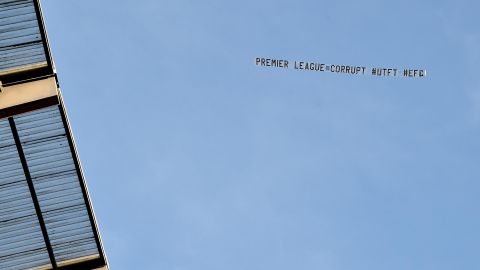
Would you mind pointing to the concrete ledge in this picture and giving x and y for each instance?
(27, 92)
(28, 96)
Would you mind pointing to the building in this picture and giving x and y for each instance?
(46, 217)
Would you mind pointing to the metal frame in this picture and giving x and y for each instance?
(33, 193)
(27, 107)
(28, 75)
(83, 184)
(90, 265)
(43, 33)
(101, 261)
(22, 76)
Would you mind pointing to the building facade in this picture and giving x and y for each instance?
(46, 216)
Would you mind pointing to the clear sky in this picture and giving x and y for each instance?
(197, 159)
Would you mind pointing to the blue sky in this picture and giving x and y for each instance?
(198, 159)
